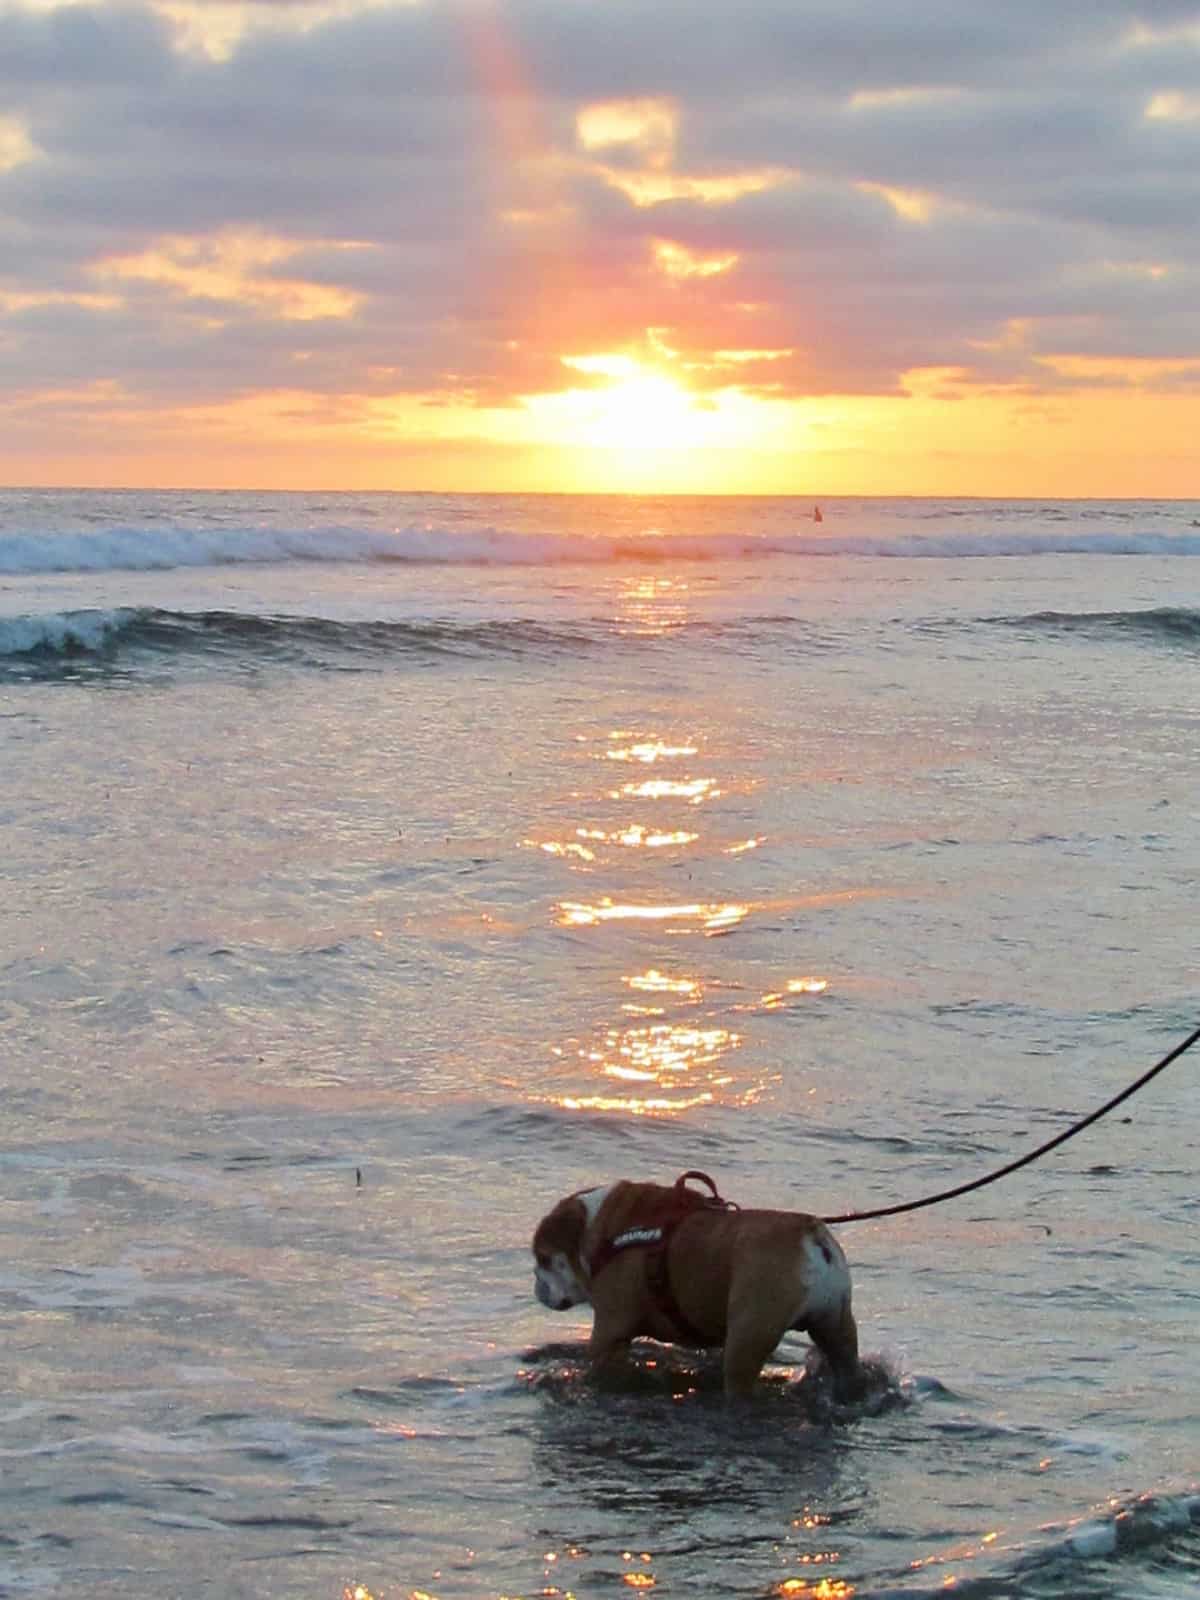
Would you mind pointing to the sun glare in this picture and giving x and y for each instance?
(637, 411)
(641, 411)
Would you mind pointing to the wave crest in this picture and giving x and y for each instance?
(1097, 1556)
(64, 639)
(153, 548)
(1164, 624)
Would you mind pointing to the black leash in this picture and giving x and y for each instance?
(1023, 1161)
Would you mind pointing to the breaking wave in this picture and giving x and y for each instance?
(61, 640)
(159, 548)
(1106, 1557)
(79, 642)
(1160, 624)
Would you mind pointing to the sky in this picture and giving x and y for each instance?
(783, 246)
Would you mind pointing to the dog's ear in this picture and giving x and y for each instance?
(561, 1231)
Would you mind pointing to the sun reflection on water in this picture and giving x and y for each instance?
(653, 605)
(645, 1058)
(556, 847)
(714, 918)
(780, 997)
(634, 836)
(649, 1051)
(636, 1106)
(661, 1066)
(649, 751)
(822, 1589)
(637, 835)
(694, 790)
(652, 981)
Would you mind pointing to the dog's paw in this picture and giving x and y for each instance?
(876, 1387)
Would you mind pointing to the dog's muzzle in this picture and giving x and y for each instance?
(553, 1300)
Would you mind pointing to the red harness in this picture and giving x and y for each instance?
(653, 1235)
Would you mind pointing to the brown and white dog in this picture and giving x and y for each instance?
(675, 1265)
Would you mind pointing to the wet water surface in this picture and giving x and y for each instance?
(354, 911)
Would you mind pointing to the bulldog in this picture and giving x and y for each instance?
(684, 1267)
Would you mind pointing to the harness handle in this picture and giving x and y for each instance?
(681, 1187)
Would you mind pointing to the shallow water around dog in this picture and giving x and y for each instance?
(357, 909)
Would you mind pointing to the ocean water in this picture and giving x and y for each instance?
(378, 869)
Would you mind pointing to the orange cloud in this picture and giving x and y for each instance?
(677, 261)
(234, 267)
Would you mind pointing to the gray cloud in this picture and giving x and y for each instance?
(1053, 197)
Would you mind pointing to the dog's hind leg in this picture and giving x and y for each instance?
(762, 1307)
(835, 1335)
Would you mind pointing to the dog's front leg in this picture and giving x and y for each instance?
(747, 1347)
(610, 1340)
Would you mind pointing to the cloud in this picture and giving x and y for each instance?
(445, 200)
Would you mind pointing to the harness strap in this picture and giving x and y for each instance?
(655, 1237)
(608, 1249)
(658, 1281)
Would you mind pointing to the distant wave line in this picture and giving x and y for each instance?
(162, 549)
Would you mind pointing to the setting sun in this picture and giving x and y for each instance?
(638, 411)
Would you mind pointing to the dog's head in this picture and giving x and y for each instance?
(560, 1277)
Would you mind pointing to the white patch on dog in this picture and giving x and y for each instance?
(826, 1275)
(593, 1199)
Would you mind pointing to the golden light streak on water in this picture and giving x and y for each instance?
(715, 918)
(694, 790)
(654, 982)
(781, 997)
(554, 847)
(663, 1068)
(637, 835)
(644, 1107)
(641, 1578)
(823, 1589)
(649, 751)
(653, 605)
(661, 1047)
(724, 918)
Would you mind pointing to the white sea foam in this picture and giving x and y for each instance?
(163, 548)
(62, 632)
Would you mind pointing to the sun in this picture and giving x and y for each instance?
(636, 408)
(647, 412)
(636, 425)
